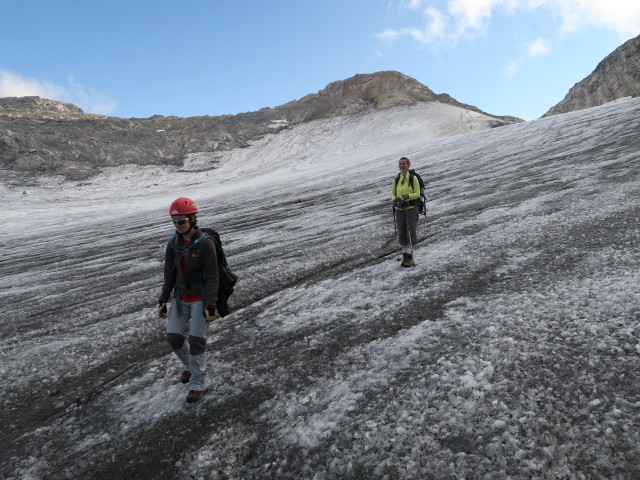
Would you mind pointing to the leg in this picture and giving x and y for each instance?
(412, 217)
(197, 347)
(177, 323)
(412, 224)
(402, 228)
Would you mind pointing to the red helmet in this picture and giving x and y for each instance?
(183, 206)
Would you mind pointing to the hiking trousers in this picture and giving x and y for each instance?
(187, 317)
(408, 226)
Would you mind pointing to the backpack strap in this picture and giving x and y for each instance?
(172, 242)
(188, 287)
(411, 175)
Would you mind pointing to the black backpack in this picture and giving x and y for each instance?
(421, 201)
(227, 279)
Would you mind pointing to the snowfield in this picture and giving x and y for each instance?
(512, 349)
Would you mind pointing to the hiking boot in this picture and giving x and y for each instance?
(194, 395)
(409, 261)
(186, 375)
(404, 260)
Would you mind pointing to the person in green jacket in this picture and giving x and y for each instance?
(405, 191)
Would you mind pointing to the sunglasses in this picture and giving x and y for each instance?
(180, 221)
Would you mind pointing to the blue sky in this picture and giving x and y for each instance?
(137, 58)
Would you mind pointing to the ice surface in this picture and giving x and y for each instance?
(510, 351)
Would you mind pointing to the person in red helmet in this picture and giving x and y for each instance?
(191, 279)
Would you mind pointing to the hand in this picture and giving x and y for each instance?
(397, 200)
(405, 196)
(210, 314)
(162, 309)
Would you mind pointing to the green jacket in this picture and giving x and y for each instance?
(399, 189)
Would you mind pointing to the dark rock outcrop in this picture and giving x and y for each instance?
(36, 107)
(617, 76)
(46, 136)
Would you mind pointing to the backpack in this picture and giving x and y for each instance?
(421, 201)
(227, 279)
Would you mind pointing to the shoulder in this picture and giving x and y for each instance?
(207, 241)
(201, 237)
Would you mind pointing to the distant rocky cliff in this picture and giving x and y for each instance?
(46, 136)
(617, 76)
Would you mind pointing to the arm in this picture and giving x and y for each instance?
(170, 274)
(211, 271)
(416, 189)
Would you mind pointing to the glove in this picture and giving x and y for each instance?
(162, 309)
(210, 314)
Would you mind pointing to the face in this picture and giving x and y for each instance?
(180, 224)
(403, 165)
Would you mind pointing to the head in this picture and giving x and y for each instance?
(403, 164)
(183, 214)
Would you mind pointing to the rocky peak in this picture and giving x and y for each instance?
(617, 76)
(378, 90)
(37, 107)
(361, 92)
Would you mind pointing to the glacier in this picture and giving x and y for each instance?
(511, 350)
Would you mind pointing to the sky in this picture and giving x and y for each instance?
(142, 58)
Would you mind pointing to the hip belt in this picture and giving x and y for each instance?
(406, 205)
(186, 287)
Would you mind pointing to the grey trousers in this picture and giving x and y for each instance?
(183, 317)
(407, 227)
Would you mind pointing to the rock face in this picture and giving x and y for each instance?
(46, 136)
(377, 90)
(617, 76)
(36, 107)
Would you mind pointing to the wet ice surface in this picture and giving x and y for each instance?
(510, 351)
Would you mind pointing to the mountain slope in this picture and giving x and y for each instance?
(510, 351)
(43, 136)
(617, 76)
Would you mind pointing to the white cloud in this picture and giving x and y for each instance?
(512, 68)
(12, 85)
(471, 15)
(436, 23)
(388, 35)
(539, 47)
(451, 20)
(621, 16)
(434, 29)
(534, 49)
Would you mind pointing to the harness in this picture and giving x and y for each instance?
(189, 287)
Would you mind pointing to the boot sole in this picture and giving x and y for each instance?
(195, 399)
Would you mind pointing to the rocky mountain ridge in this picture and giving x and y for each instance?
(46, 136)
(617, 76)
(42, 108)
